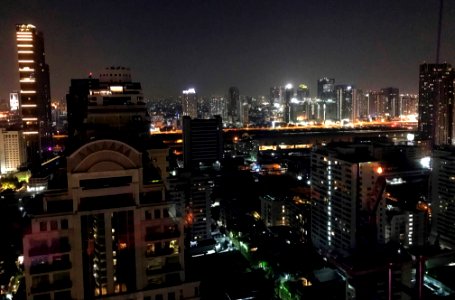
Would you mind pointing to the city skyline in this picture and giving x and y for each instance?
(171, 46)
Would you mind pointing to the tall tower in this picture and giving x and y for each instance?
(346, 102)
(391, 101)
(436, 109)
(35, 96)
(326, 92)
(234, 105)
(189, 103)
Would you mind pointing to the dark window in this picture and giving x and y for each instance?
(64, 224)
(54, 225)
(171, 296)
(148, 215)
(157, 213)
(159, 297)
(42, 226)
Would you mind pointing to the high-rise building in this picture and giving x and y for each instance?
(346, 101)
(12, 150)
(436, 108)
(202, 142)
(409, 104)
(111, 234)
(288, 95)
(443, 202)
(189, 103)
(35, 96)
(234, 105)
(109, 107)
(391, 100)
(327, 95)
(342, 179)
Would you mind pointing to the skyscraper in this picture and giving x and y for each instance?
(189, 103)
(346, 102)
(436, 109)
(327, 95)
(35, 98)
(233, 105)
(391, 100)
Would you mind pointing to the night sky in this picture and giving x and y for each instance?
(211, 45)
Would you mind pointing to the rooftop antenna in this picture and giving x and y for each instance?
(438, 45)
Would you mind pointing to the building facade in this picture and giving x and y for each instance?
(109, 235)
(35, 96)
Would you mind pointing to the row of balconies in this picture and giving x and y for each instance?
(47, 286)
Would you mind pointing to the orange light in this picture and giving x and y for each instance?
(379, 170)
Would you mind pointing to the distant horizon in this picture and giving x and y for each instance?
(174, 45)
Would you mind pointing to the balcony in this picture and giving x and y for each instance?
(168, 268)
(41, 287)
(62, 284)
(46, 267)
(162, 252)
(39, 250)
(162, 235)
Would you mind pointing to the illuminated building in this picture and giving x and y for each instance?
(436, 109)
(288, 94)
(234, 106)
(189, 103)
(409, 104)
(35, 98)
(12, 151)
(112, 234)
(341, 181)
(327, 94)
(346, 101)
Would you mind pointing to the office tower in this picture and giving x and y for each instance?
(111, 234)
(391, 102)
(275, 95)
(234, 105)
(346, 102)
(374, 103)
(12, 150)
(189, 103)
(109, 107)
(436, 109)
(202, 142)
(35, 97)
(342, 181)
(409, 104)
(327, 95)
(303, 107)
(217, 107)
(288, 95)
(443, 204)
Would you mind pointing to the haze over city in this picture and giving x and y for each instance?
(211, 45)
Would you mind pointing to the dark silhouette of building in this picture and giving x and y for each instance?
(234, 105)
(35, 95)
(391, 100)
(202, 142)
(326, 92)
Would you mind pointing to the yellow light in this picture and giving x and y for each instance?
(30, 132)
(26, 61)
(28, 92)
(379, 170)
(28, 105)
(23, 39)
(29, 119)
(25, 46)
(25, 51)
(118, 89)
(26, 69)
